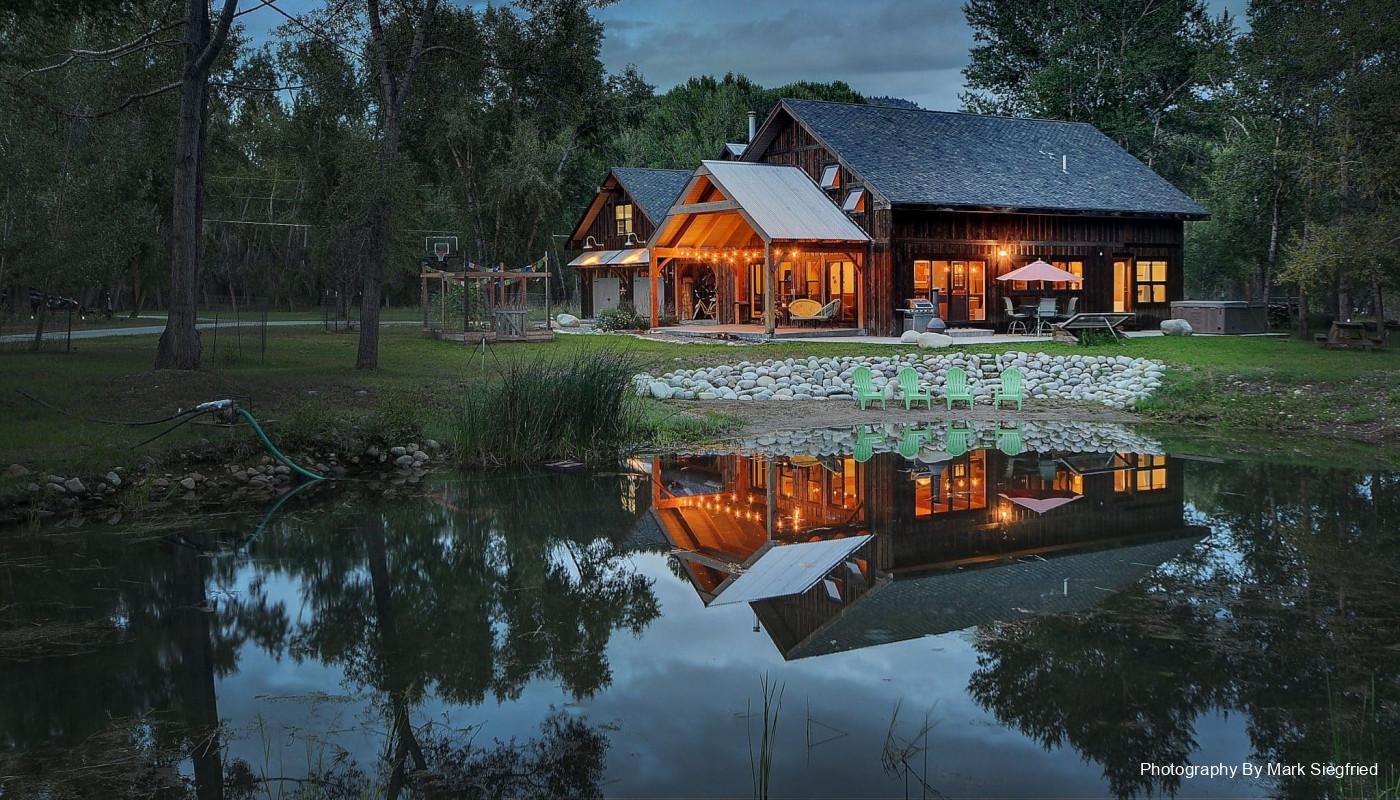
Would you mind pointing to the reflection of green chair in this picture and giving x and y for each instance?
(1011, 390)
(1009, 441)
(911, 441)
(865, 445)
(957, 387)
(911, 390)
(864, 384)
(958, 440)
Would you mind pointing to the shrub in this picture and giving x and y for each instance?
(581, 407)
(622, 318)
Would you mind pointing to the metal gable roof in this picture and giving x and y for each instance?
(917, 157)
(652, 189)
(783, 202)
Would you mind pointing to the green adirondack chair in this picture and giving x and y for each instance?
(1012, 389)
(911, 441)
(865, 446)
(957, 439)
(911, 390)
(865, 388)
(957, 387)
(1009, 441)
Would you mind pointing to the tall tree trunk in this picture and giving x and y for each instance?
(393, 91)
(179, 344)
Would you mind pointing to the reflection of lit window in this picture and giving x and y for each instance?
(814, 485)
(958, 487)
(923, 497)
(785, 487)
(758, 474)
(1151, 473)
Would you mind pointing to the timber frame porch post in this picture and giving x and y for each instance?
(770, 316)
(653, 272)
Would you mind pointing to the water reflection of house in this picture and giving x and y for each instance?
(957, 542)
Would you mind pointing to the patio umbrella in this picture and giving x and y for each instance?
(1039, 502)
(1040, 271)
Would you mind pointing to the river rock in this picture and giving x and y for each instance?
(661, 390)
(74, 486)
(1176, 327)
(567, 320)
(934, 341)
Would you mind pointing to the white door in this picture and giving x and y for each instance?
(605, 292)
(641, 293)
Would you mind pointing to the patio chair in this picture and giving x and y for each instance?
(957, 389)
(912, 391)
(1045, 313)
(864, 384)
(1072, 308)
(1018, 318)
(911, 441)
(957, 440)
(864, 448)
(804, 310)
(1011, 390)
(1009, 441)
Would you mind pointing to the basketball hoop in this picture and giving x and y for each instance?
(442, 250)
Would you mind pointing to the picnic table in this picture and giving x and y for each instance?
(1109, 321)
(1347, 335)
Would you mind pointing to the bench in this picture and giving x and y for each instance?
(1069, 329)
(1353, 335)
(804, 310)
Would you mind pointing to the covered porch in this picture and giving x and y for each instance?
(760, 247)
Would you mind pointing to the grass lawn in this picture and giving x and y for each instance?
(1263, 388)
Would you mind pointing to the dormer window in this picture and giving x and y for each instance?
(831, 176)
(855, 201)
(622, 212)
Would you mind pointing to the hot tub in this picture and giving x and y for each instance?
(1223, 316)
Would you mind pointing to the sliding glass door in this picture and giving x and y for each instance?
(961, 285)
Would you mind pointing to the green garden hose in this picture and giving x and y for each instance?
(272, 448)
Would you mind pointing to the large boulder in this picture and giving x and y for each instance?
(661, 391)
(1176, 327)
(934, 341)
(909, 337)
(567, 320)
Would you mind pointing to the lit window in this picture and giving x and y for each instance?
(1152, 281)
(855, 201)
(831, 176)
(623, 213)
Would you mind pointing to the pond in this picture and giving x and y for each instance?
(1020, 611)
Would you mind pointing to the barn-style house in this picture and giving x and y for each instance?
(861, 209)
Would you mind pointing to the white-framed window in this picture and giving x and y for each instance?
(855, 201)
(831, 176)
(622, 212)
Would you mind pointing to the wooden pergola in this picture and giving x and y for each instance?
(505, 295)
(733, 210)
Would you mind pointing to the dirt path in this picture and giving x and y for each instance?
(765, 417)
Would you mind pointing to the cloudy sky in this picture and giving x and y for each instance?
(914, 49)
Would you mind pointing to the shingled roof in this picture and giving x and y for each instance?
(916, 157)
(652, 189)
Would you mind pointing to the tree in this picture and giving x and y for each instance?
(179, 346)
(1141, 71)
(394, 56)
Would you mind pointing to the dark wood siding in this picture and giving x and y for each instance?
(603, 227)
(902, 235)
(1097, 241)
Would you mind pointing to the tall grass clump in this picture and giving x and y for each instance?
(582, 407)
